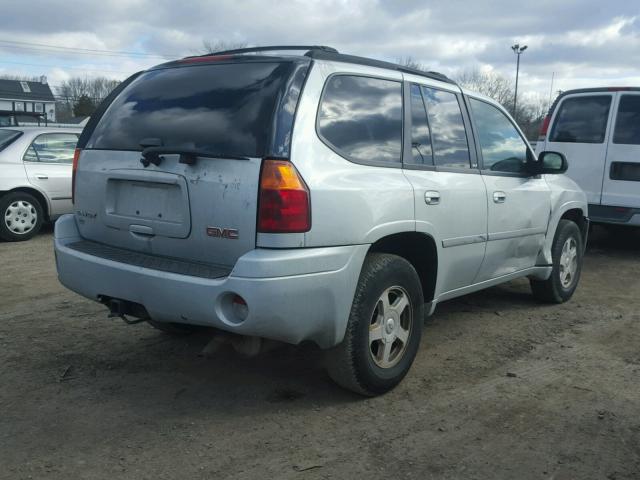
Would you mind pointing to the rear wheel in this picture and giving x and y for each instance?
(22, 216)
(566, 253)
(384, 328)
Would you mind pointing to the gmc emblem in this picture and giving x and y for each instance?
(229, 233)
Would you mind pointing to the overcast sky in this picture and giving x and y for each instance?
(586, 43)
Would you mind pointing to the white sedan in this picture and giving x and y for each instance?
(35, 178)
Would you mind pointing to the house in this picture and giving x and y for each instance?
(31, 97)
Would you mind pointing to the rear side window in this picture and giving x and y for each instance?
(52, 148)
(450, 147)
(7, 137)
(221, 108)
(361, 118)
(582, 120)
(628, 121)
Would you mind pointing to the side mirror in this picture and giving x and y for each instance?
(552, 162)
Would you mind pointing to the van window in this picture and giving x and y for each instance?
(361, 118)
(226, 108)
(582, 120)
(450, 147)
(503, 149)
(628, 121)
(420, 135)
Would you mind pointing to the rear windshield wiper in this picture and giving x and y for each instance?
(187, 155)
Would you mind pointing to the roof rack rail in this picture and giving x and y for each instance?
(275, 48)
(340, 57)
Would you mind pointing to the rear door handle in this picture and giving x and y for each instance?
(499, 197)
(41, 176)
(431, 197)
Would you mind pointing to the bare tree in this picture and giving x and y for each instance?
(411, 62)
(212, 46)
(86, 90)
(490, 84)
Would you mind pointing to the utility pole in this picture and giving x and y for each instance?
(517, 49)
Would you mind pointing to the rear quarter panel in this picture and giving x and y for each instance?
(351, 203)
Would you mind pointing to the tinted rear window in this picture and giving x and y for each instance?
(7, 137)
(361, 118)
(222, 108)
(582, 120)
(628, 121)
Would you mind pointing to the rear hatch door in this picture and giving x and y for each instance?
(172, 167)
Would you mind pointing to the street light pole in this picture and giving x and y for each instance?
(517, 49)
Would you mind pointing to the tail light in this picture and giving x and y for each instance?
(284, 201)
(76, 156)
(545, 126)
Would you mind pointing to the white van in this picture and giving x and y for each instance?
(598, 130)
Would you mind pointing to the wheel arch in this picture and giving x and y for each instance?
(574, 211)
(420, 250)
(41, 197)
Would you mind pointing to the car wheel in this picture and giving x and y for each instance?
(174, 329)
(566, 252)
(384, 328)
(22, 216)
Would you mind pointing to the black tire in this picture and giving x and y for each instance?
(26, 208)
(351, 364)
(553, 290)
(174, 329)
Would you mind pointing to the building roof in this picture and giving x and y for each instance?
(12, 89)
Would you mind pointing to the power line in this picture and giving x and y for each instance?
(78, 50)
(65, 67)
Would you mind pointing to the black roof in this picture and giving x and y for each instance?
(12, 90)
(321, 52)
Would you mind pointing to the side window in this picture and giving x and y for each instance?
(53, 148)
(628, 121)
(361, 118)
(30, 155)
(582, 120)
(421, 153)
(503, 149)
(450, 147)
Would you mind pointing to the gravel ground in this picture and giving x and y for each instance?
(502, 387)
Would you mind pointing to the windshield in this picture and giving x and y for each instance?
(7, 137)
(226, 108)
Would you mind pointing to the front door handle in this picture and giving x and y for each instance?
(432, 197)
(41, 176)
(499, 197)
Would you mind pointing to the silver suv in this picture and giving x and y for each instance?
(318, 197)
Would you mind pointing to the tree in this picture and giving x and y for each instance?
(490, 84)
(84, 106)
(411, 62)
(71, 91)
(212, 46)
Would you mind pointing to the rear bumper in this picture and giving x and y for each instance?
(292, 295)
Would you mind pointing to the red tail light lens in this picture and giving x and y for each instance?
(284, 201)
(545, 126)
(76, 156)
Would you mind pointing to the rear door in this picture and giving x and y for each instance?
(47, 162)
(201, 206)
(519, 205)
(621, 185)
(449, 192)
(579, 129)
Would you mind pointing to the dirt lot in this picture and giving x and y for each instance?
(502, 388)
